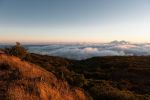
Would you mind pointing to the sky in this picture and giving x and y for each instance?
(74, 20)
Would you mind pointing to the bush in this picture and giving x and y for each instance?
(17, 50)
(104, 91)
(79, 80)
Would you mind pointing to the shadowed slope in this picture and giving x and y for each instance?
(20, 80)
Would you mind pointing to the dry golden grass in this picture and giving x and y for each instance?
(20, 80)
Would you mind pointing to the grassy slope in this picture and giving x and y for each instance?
(20, 80)
(125, 78)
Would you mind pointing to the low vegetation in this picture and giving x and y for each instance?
(20, 80)
(104, 78)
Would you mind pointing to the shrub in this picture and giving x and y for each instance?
(79, 80)
(104, 91)
(17, 50)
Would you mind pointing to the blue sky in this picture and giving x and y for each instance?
(74, 20)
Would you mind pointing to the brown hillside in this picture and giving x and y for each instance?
(20, 80)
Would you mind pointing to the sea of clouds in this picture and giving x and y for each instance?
(80, 51)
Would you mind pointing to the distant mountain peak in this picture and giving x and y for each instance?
(119, 42)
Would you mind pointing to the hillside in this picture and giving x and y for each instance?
(129, 76)
(104, 78)
(20, 80)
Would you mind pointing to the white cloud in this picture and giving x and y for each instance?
(84, 51)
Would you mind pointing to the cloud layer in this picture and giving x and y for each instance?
(84, 51)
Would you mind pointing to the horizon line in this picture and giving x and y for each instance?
(67, 42)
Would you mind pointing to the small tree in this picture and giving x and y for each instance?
(17, 50)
